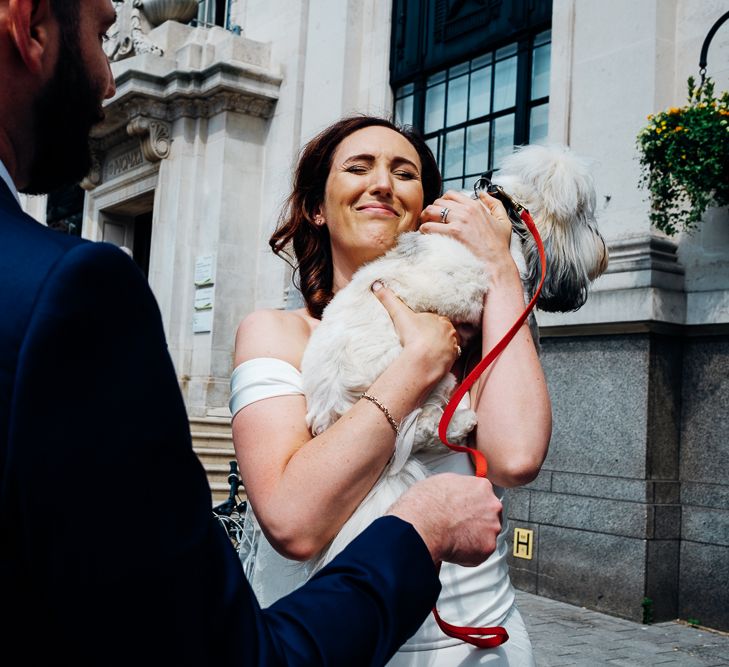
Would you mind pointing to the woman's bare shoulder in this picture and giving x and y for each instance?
(281, 334)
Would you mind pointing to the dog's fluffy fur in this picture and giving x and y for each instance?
(356, 340)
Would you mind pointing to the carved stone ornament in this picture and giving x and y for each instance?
(93, 178)
(127, 36)
(154, 137)
(159, 11)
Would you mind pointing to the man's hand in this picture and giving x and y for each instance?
(458, 517)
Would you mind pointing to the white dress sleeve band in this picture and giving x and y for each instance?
(265, 377)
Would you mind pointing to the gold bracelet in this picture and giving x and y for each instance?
(385, 411)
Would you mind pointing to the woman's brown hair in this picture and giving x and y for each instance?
(296, 228)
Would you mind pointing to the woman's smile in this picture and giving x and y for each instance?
(378, 208)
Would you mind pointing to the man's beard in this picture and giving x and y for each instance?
(64, 113)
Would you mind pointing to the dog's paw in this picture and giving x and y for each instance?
(426, 429)
(462, 423)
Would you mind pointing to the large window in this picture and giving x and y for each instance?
(216, 12)
(473, 114)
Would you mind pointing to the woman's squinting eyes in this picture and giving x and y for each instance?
(362, 169)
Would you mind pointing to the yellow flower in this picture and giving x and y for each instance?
(678, 128)
(683, 157)
(658, 130)
(649, 116)
(674, 110)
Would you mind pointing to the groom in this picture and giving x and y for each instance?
(108, 553)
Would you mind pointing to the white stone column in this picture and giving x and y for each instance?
(186, 131)
(614, 64)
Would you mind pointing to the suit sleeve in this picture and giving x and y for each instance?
(123, 561)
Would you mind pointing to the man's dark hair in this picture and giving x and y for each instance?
(67, 12)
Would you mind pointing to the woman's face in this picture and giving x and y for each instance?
(373, 193)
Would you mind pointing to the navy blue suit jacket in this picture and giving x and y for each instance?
(108, 553)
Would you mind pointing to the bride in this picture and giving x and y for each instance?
(358, 185)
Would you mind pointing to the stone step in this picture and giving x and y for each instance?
(220, 487)
(212, 441)
(217, 472)
(221, 490)
(214, 455)
(207, 439)
(210, 425)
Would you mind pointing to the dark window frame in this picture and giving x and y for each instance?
(414, 28)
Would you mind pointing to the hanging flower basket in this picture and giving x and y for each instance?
(684, 158)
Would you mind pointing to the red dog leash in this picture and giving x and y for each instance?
(497, 635)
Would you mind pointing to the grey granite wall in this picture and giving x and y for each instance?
(704, 465)
(609, 508)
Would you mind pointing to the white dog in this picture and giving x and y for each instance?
(356, 340)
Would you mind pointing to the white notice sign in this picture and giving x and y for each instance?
(202, 321)
(204, 298)
(204, 269)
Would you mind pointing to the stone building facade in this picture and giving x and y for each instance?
(630, 514)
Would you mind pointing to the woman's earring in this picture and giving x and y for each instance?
(318, 220)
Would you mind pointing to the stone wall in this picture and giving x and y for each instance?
(704, 471)
(632, 500)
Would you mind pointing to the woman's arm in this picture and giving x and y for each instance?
(303, 489)
(511, 398)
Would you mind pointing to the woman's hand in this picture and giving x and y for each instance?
(482, 225)
(430, 338)
(515, 447)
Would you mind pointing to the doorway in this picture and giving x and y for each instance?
(129, 226)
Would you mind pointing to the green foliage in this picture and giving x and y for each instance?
(693, 621)
(647, 605)
(684, 156)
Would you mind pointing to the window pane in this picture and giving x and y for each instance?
(407, 89)
(457, 100)
(481, 61)
(458, 70)
(539, 124)
(505, 84)
(454, 184)
(480, 96)
(453, 162)
(434, 108)
(540, 71)
(506, 51)
(436, 78)
(206, 13)
(503, 139)
(543, 38)
(477, 148)
(433, 145)
(404, 111)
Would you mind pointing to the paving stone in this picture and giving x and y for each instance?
(565, 635)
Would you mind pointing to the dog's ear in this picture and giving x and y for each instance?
(574, 260)
(557, 188)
